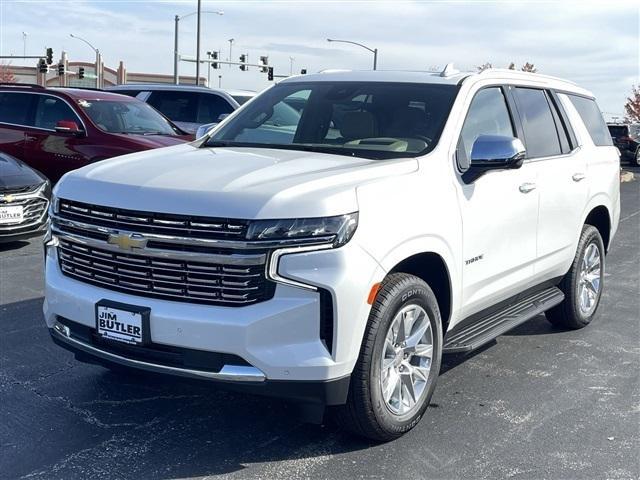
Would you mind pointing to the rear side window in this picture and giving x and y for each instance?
(15, 108)
(177, 106)
(211, 107)
(592, 119)
(541, 136)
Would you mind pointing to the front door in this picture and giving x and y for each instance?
(499, 213)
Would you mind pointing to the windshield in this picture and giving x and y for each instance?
(126, 117)
(364, 119)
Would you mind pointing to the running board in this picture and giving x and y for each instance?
(478, 333)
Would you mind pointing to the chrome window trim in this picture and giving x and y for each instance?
(193, 241)
(231, 373)
(84, 127)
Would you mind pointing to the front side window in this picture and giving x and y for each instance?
(488, 115)
(15, 108)
(51, 110)
(130, 117)
(211, 107)
(541, 136)
(364, 119)
(177, 106)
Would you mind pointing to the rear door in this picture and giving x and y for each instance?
(54, 153)
(561, 172)
(15, 115)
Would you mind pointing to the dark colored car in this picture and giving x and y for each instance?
(55, 130)
(24, 200)
(627, 139)
(188, 106)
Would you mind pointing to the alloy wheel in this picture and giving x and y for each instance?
(589, 280)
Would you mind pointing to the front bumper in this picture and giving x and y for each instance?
(278, 340)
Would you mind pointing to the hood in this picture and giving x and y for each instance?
(245, 183)
(15, 174)
(152, 141)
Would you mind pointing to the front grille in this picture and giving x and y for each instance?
(157, 223)
(33, 209)
(165, 278)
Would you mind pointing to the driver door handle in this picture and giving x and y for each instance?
(577, 177)
(527, 187)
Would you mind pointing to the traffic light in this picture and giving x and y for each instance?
(214, 56)
(270, 74)
(303, 71)
(264, 60)
(42, 66)
(243, 59)
(61, 69)
(49, 56)
(80, 73)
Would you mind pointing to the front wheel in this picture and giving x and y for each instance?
(399, 361)
(582, 285)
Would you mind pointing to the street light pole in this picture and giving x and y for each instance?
(176, 42)
(24, 44)
(291, 60)
(98, 60)
(231, 40)
(198, 45)
(372, 50)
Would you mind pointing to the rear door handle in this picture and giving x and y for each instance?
(578, 177)
(527, 187)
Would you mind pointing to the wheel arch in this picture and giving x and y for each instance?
(600, 217)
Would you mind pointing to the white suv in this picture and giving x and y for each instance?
(332, 257)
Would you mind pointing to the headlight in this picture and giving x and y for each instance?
(336, 230)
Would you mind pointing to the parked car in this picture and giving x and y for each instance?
(627, 139)
(55, 130)
(333, 262)
(24, 200)
(188, 106)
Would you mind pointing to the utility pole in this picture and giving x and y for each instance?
(24, 44)
(291, 60)
(176, 55)
(219, 81)
(198, 44)
(231, 40)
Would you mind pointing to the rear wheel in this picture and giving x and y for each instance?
(399, 361)
(582, 285)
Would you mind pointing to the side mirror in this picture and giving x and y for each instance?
(204, 129)
(494, 152)
(68, 126)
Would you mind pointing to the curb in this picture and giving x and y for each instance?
(626, 177)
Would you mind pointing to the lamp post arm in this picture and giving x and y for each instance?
(353, 43)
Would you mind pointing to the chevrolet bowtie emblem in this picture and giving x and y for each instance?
(127, 241)
(7, 198)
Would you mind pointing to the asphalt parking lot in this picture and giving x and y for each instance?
(538, 403)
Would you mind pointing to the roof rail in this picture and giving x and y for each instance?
(526, 74)
(449, 70)
(23, 85)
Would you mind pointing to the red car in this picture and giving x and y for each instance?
(55, 130)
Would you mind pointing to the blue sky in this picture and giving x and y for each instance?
(596, 44)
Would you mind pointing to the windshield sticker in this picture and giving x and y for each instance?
(84, 103)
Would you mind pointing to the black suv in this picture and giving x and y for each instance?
(627, 139)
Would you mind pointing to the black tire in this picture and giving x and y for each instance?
(366, 413)
(568, 314)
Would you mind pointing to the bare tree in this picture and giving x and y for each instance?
(512, 66)
(6, 74)
(632, 106)
(484, 66)
(529, 67)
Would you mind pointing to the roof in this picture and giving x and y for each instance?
(187, 88)
(88, 94)
(447, 77)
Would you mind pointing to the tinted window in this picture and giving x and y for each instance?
(365, 119)
(541, 136)
(618, 131)
(592, 118)
(211, 107)
(126, 117)
(51, 110)
(488, 115)
(177, 106)
(15, 108)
